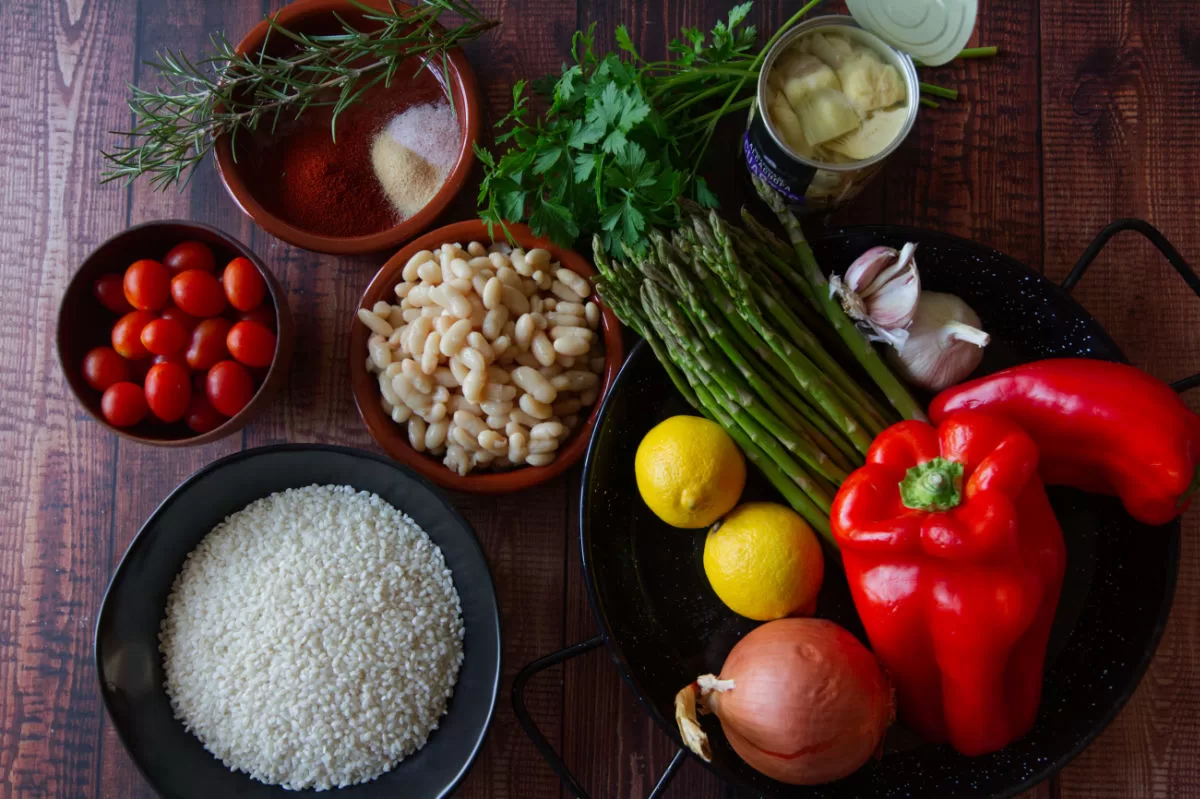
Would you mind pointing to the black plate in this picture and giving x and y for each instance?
(664, 625)
(130, 667)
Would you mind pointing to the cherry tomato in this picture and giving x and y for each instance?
(123, 404)
(188, 321)
(263, 314)
(190, 255)
(201, 416)
(102, 367)
(243, 284)
(229, 387)
(208, 343)
(168, 391)
(164, 337)
(147, 285)
(251, 344)
(198, 293)
(110, 290)
(127, 334)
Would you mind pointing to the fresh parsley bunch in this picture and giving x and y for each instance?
(621, 138)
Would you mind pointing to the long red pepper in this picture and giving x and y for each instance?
(1098, 426)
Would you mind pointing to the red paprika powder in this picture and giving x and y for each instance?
(300, 174)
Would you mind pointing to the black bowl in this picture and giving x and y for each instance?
(130, 666)
(664, 625)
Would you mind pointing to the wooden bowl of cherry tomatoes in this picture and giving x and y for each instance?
(173, 333)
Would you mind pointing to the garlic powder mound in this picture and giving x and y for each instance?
(413, 155)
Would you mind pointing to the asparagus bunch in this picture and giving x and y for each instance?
(744, 330)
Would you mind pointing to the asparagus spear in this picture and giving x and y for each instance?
(859, 346)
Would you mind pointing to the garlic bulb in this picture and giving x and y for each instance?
(880, 291)
(944, 343)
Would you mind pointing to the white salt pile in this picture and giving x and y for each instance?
(413, 155)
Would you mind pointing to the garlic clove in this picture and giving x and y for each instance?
(891, 301)
(880, 291)
(866, 266)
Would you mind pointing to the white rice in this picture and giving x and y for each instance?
(313, 639)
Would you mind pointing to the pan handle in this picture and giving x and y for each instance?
(527, 723)
(1165, 247)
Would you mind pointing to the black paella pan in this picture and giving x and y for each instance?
(663, 625)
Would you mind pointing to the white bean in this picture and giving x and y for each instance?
(547, 430)
(532, 382)
(378, 325)
(418, 336)
(499, 260)
(497, 407)
(458, 369)
(452, 300)
(571, 345)
(531, 406)
(565, 361)
(402, 288)
(411, 314)
(478, 284)
(395, 316)
(573, 308)
(592, 314)
(475, 248)
(551, 371)
(444, 377)
(520, 263)
(470, 422)
(540, 320)
(493, 441)
(419, 380)
(455, 338)
(401, 414)
(492, 294)
(440, 394)
(537, 446)
(538, 258)
(517, 443)
(571, 421)
(544, 351)
(416, 433)
(381, 356)
(479, 261)
(545, 281)
(385, 388)
(460, 403)
(497, 393)
(494, 321)
(526, 327)
(561, 331)
(559, 319)
(443, 322)
(540, 458)
(502, 346)
(530, 287)
(588, 396)
(370, 366)
(430, 354)
(457, 460)
(435, 434)
(463, 438)
(473, 387)
(473, 359)
(437, 413)
(575, 282)
(496, 422)
(409, 273)
(419, 296)
(509, 277)
(575, 380)
(430, 273)
(520, 417)
(517, 302)
(535, 304)
(480, 343)
(393, 369)
(461, 269)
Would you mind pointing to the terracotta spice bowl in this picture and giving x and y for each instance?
(464, 93)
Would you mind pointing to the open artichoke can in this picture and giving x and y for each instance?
(834, 102)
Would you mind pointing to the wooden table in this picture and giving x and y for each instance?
(1090, 114)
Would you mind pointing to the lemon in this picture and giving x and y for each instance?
(764, 562)
(689, 471)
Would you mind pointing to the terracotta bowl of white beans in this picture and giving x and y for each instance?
(482, 364)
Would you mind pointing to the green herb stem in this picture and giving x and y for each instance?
(938, 91)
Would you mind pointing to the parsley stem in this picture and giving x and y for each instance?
(691, 100)
(740, 104)
(938, 91)
(701, 74)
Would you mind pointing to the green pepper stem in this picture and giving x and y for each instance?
(935, 485)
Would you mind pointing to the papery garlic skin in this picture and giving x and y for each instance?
(945, 343)
(880, 292)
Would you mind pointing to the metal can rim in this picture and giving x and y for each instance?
(902, 61)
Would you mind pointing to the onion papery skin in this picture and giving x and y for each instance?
(810, 704)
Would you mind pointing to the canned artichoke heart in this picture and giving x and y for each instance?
(807, 183)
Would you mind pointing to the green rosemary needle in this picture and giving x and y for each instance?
(176, 124)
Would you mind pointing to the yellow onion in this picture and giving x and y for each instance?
(800, 700)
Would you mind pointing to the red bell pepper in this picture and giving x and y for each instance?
(1098, 426)
(955, 562)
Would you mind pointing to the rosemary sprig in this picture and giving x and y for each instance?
(176, 124)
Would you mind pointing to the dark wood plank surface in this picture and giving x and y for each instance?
(1089, 115)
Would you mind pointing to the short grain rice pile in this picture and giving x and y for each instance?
(313, 639)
